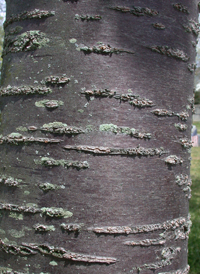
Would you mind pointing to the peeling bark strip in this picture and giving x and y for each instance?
(181, 8)
(171, 52)
(57, 80)
(27, 41)
(164, 112)
(43, 228)
(179, 223)
(180, 271)
(50, 162)
(24, 90)
(103, 49)
(88, 17)
(133, 99)
(35, 14)
(124, 130)
(71, 227)
(146, 242)
(9, 181)
(181, 127)
(186, 143)
(56, 252)
(137, 11)
(137, 151)
(168, 254)
(60, 128)
(185, 183)
(192, 27)
(16, 139)
(173, 160)
(159, 26)
(53, 212)
(49, 104)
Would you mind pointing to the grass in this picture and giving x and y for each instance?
(194, 239)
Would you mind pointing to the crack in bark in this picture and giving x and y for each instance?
(136, 151)
(61, 128)
(103, 49)
(164, 112)
(57, 252)
(137, 11)
(57, 80)
(180, 224)
(24, 90)
(35, 14)
(17, 139)
(88, 17)
(171, 52)
(181, 8)
(133, 99)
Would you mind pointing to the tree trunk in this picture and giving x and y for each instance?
(96, 110)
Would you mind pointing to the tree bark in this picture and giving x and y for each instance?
(96, 111)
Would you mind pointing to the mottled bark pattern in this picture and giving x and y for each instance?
(96, 108)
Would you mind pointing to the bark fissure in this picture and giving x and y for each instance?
(136, 151)
(35, 14)
(24, 90)
(56, 252)
(133, 99)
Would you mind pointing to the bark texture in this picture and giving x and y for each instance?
(96, 109)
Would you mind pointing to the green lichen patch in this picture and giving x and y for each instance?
(10, 181)
(23, 129)
(61, 128)
(50, 104)
(181, 127)
(16, 216)
(53, 263)
(35, 14)
(15, 30)
(50, 162)
(16, 233)
(27, 41)
(24, 90)
(124, 130)
(55, 212)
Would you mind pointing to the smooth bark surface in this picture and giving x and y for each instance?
(96, 109)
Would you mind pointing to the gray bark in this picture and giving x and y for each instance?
(96, 109)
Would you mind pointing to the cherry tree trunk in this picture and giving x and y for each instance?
(96, 110)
